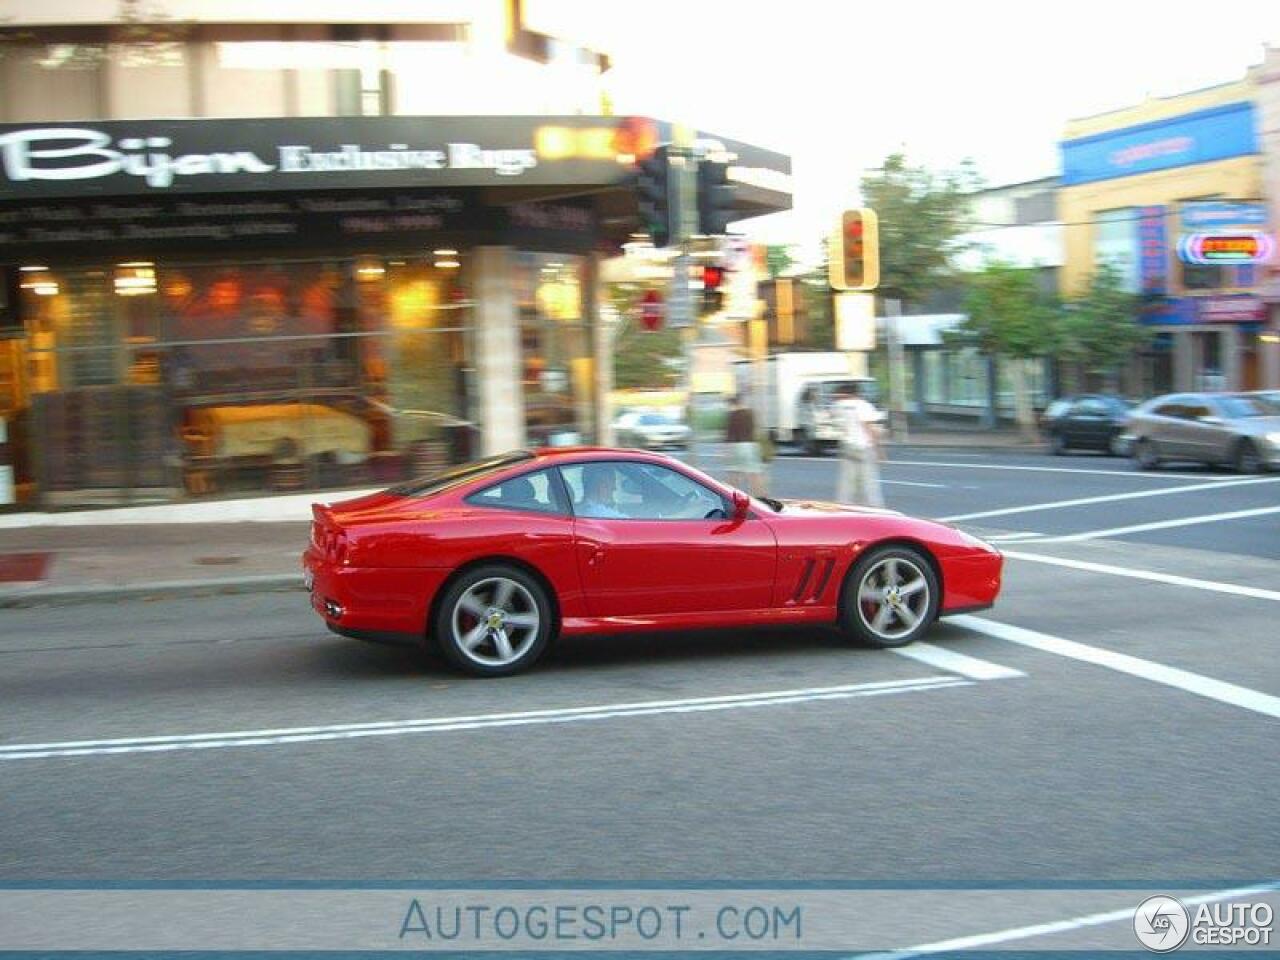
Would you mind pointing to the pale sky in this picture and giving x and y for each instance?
(838, 85)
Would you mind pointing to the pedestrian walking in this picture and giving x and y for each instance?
(860, 449)
(746, 467)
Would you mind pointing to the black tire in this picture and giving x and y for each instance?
(1145, 454)
(485, 659)
(858, 617)
(1058, 444)
(1246, 458)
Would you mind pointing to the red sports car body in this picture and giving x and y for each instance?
(491, 560)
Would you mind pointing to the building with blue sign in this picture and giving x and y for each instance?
(1170, 192)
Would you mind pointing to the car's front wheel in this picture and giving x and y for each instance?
(1246, 457)
(494, 621)
(891, 596)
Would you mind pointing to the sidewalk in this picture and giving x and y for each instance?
(69, 564)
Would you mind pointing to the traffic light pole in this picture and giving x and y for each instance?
(684, 169)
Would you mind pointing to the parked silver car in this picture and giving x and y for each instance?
(1235, 429)
(651, 431)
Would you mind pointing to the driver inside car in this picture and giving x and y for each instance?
(599, 483)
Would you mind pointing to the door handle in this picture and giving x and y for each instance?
(597, 555)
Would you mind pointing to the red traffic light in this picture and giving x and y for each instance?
(712, 277)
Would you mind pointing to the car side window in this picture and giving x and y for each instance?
(1195, 411)
(1174, 410)
(539, 491)
(1091, 407)
(630, 490)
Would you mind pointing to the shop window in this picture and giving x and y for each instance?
(153, 380)
(556, 346)
(1116, 243)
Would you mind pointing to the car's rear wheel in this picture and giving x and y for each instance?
(1146, 455)
(1115, 446)
(494, 621)
(1246, 457)
(890, 597)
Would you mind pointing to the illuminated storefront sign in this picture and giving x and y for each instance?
(1227, 248)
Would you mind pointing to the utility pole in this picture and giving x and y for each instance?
(897, 372)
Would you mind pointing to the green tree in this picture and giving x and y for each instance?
(922, 215)
(778, 259)
(1098, 330)
(1008, 316)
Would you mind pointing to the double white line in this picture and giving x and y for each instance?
(393, 728)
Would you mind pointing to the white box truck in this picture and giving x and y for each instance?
(794, 401)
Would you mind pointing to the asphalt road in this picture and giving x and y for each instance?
(1125, 730)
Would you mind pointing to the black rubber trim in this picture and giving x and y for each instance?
(973, 609)
(376, 636)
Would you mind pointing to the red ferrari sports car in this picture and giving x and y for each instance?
(491, 560)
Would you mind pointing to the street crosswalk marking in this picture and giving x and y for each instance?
(1155, 576)
(1159, 525)
(1229, 693)
(959, 663)
(1107, 498)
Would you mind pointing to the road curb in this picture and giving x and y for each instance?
(58, 596)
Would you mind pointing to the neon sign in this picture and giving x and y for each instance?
(1235, 247)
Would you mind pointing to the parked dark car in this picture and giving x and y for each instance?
(1090, 421)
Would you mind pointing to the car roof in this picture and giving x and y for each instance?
(584, 453)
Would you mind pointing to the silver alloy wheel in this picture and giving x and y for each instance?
(893, 598)
(495, 621)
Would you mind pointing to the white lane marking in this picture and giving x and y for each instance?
(1015, 537)
(1229, 693)
(347, 731)
(1160, 525)
(914, 483)
(1154, 576)
(952, 662)
(976, 941)
(1009, 466)
(1108, 498)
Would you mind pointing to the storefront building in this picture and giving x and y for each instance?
(1269, 129)
(1141, 186)
(223, 306)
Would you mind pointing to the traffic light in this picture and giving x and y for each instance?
(854, 261)
(656, 197)
(712, 288)
(716, 196)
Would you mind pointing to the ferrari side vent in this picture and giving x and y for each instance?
(805, 574)
(824, 580)
(810, 588)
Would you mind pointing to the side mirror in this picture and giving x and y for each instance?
(741, 505)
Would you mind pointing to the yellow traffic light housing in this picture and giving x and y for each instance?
(854, 255)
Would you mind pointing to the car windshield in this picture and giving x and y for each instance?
(426, 486)
(1237, 408)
